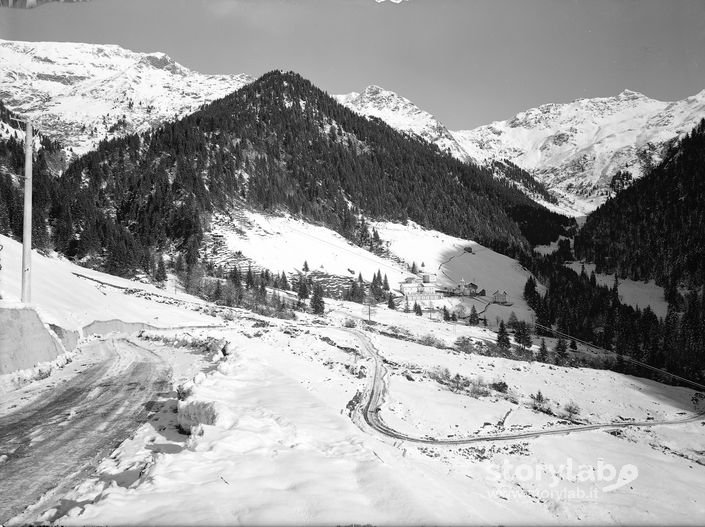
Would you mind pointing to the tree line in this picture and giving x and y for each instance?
(277, 144)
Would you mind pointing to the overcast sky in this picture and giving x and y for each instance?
(468, 62)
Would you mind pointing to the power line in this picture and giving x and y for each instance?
(626, 358)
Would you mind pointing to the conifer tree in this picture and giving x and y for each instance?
(262, 289)
(561, 350)
(250, 278)
(160, 274)
(522, 334)
(503, 338)
(543, 352)
(235, 277)
(317, 303)
(305, 266)
(303, 293)
(217, 291)
(390, 302)
(474, 318)
(446, 314)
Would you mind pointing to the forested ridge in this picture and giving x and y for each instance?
(575, 304)
(278, 143)
(655, 229)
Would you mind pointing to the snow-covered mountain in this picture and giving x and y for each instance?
(403, 115)
(32, 3)
(80, 94)
(576, 148)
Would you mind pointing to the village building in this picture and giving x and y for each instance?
(465, 289)
(500, 297)
(420, 288)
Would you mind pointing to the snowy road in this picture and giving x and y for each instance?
(52, 444)
(377, 388)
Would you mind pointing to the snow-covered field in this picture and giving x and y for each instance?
(275, 428)
(446, 256)
(272, 442)
(282, 243)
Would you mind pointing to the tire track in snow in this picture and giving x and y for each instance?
(376, 391)
(55, 443)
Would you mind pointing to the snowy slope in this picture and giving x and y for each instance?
(282, 243)
(81, 93)
(272, 443)
(576, 148)
(446, 256)
(403, 115)
(72, 302)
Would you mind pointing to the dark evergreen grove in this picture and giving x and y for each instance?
(523, 178)
(575, 304)
(655, 229)
(278, 143)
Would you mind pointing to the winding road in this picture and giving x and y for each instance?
(376, 389)
(51, 445)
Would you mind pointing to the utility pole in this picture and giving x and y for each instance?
(27, 225)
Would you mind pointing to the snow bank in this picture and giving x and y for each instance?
(198, 406)
(24, 340)
(68, 338)
(194, 413)
(30, 349)
(42, 370)
(103, 327)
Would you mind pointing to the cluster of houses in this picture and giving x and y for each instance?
(420, 288)
(423, 287)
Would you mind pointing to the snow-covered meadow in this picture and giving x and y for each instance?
(276, 427)
(273, 441)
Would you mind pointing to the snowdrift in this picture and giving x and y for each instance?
(24, 340)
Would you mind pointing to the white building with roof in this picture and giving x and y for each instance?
(420, 288)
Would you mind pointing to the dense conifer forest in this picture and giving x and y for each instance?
(655, 229)
(575, 304)
(523, 178)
